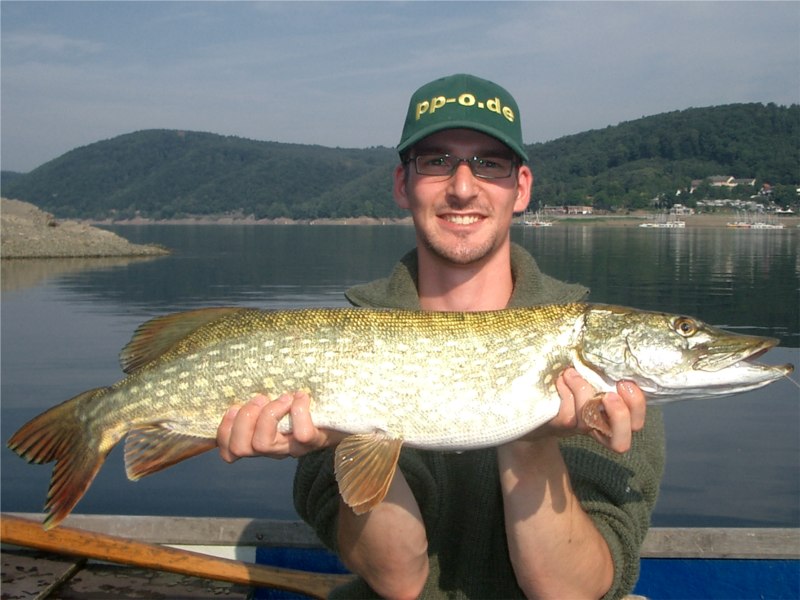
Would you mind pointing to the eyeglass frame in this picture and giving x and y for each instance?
(471, 162)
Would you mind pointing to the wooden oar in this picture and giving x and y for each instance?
(78, 542)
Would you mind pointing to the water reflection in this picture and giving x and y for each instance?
(732, 461)
(21, 273)
(728, 279)
(271, 266)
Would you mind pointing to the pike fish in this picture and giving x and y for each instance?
(443, 381)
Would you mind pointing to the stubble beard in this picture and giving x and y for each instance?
(463, 252)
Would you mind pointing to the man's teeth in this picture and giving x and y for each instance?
(462, 219)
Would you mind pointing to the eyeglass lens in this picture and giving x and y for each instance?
(493, 167)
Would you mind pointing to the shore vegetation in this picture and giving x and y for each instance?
(645, 164)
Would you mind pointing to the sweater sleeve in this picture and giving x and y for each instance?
(618, 492)
(316, 492)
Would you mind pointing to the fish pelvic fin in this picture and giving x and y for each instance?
(594, 415)
(59, 435)
(157, 336)
(364, 468)
(155, 447)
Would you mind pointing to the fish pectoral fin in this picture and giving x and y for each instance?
(157, 336)
(595, 416)
(364, 467)
(154, 447)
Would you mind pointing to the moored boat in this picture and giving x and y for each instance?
(755, 221)
(664, 221)
(531, 219)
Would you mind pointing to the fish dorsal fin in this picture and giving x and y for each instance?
(154, 447)
(156, 336)
(365, 466)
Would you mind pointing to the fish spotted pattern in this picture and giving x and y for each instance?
(443, 381)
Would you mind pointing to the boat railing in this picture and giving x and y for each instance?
(661, 542)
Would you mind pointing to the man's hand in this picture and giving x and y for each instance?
(252, 429)
(541, 508)
(625, 411)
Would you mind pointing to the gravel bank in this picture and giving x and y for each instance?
(27, 232)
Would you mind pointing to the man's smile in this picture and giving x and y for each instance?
(462, 219)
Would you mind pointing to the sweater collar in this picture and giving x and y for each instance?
(531, 286)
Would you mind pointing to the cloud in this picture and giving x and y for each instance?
(341, 73)
(19, 45)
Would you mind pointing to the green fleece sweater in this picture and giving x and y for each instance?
(459, 493)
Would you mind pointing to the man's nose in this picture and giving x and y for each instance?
(462, 183)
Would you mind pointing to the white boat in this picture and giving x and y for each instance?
(531, 219)
(670, 221)
(755, 221)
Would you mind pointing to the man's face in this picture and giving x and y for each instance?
(462, 219)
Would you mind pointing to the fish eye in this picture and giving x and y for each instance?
(685, 326)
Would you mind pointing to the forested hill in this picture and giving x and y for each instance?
(168, 173)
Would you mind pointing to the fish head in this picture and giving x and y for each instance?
(672, 357)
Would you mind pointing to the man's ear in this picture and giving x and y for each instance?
(400, 186)
(524, 188)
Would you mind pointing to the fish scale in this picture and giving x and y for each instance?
(440, 381)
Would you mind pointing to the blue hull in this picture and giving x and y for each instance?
(660, 579)
(719, 578)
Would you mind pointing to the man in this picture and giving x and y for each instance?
(560, 513)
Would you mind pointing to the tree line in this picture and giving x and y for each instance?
(164, 174)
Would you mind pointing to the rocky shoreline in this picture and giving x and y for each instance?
(240, 220)
(28, 232)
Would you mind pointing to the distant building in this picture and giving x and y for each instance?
(721, 181)
(579, 210)
(680, 209)
(747, 205)
(568, 210)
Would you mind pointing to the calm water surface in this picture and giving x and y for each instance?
(731, 462)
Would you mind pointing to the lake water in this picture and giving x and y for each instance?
(730, 462)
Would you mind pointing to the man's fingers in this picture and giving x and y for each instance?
(610, 418)
(224, 433)
(266, 438)
(635, 399)
(303, 428)
(244, 424)
(619, 419)
(252, 429)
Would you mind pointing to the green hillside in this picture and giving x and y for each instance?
(169, 174)
(627, 165)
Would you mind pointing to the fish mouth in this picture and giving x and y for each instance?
(722, 355)
(719, 373)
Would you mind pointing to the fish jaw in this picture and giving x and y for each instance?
(731, 358)
(671, 357)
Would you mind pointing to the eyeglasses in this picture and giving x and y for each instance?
(444, 165)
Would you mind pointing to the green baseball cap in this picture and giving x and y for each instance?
(463, 101)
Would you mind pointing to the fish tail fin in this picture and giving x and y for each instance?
(59, 435)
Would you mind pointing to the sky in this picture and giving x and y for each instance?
(340, 74)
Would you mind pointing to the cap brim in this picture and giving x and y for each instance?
(420, 135)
